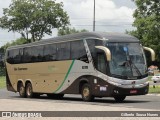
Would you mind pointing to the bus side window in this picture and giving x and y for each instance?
(63, 51)
(37, 53)
(78, 51)
(27, 55)
(49, 52)
(17, 56)
(101, 62)
(13, 56)
(9, 57)
(91, 45)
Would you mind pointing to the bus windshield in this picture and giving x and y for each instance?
(127, 60)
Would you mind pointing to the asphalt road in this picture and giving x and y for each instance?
(145, 102)
(10, 101)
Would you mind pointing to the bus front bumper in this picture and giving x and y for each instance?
(112, 90)
(130, 91)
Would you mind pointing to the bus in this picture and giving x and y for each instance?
(93, 64)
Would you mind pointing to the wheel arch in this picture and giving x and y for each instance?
(27, 81)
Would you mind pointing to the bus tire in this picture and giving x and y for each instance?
(86, 93)
(29, 90)
(21, 90)
(119, 98)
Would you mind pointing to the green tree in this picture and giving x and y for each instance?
(34, 18)
(147, 17)
(67, 30)
(19, 41)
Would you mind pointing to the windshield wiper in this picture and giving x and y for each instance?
(129, 63)
(135, 67)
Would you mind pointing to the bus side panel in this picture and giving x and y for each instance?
(75, 87)
(45, 77)
(8, 83)
(11, 78)
(102, 88)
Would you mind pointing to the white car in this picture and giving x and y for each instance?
(156, 78)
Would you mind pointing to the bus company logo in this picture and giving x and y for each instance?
(6, 114)
(20, 69)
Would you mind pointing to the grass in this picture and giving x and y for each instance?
(2, 82)
(154, 90)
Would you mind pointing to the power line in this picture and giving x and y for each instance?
(98, 18)
(104, 25)
(114, 22)
(106, 21)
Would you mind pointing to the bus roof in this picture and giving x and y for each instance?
(110, 37)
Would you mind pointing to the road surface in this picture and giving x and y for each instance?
(10, 101)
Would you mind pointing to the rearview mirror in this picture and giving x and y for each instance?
(151, 51)
(106, 50)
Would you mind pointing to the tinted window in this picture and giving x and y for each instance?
(49, 52)
(10, 57)
(27, 55)
(33, 54)
(91, 45)
(63, 51)
(101, 63)
(37, 54)
(14, 56)
(78, 51)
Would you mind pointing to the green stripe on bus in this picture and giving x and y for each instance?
(65, 76)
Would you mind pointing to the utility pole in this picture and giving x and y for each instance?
(94, 17)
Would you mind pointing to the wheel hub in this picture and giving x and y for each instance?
(29, 90)
(21, 90)
(86, 92)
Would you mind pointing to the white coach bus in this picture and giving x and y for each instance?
(92, 64)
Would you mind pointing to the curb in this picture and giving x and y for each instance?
(154, 94)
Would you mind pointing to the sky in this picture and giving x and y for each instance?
(111, 16)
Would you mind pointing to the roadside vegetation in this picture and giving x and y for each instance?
(2, 82)
(155, 89)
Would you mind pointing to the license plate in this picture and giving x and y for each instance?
(133, 91)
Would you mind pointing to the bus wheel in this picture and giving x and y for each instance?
(29, 90)
(22, 91)
(86, 93)
(119, 98)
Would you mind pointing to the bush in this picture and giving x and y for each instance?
(2, 71)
